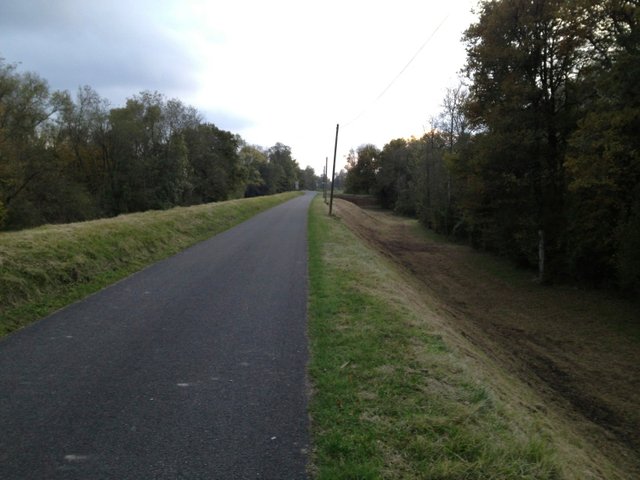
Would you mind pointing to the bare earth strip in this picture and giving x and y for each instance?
(578, 351)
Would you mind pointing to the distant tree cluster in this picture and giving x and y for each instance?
(539, 158)
(66, 159)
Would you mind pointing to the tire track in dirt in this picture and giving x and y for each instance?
(551, 338)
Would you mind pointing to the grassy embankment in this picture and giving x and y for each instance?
(46, 268)
(390, 398)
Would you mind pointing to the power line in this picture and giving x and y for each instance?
(426, 42)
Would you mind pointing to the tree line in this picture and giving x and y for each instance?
(536, 154)
(65, 158)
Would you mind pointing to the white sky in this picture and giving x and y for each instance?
(272, 71)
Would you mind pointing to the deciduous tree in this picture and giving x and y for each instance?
(522, 60)
(362, 167)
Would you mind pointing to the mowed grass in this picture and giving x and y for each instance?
(46, 268)
(390, 398)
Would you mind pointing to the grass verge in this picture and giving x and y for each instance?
(390, 398)
(46, 268)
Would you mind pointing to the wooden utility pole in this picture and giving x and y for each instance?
(333, 172)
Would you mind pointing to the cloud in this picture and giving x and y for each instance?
(281, 70)
(110, 46)
(226, 120)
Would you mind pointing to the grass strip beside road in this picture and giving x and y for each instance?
(390, 398)
(46, 268)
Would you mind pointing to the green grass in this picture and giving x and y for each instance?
(46, 268)
(391, 399)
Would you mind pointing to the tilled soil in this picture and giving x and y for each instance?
(578, 349)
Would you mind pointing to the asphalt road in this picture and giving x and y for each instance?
(194, 368)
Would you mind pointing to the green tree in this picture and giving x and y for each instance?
(522, 61)
(127, 159)
(452, 123)
(432, 181)
(308, 179)
(35, 186)
(603, 162)
(81, 133)
(147, 154)
(24, 107)
(339, 180)
(281, 174)
(361, 169)
(394, 177)
(64, 159)
(217, 173)
(255, 162)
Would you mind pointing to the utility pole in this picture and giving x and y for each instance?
(333, 172)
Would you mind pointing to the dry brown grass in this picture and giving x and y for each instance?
(391, 398)
(567, 359)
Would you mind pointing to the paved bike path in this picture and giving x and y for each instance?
(192, 368)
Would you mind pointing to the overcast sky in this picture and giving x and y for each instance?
(273, 71)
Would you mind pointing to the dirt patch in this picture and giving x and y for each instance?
(579, 350)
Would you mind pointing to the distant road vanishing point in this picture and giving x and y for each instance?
(192, 368)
